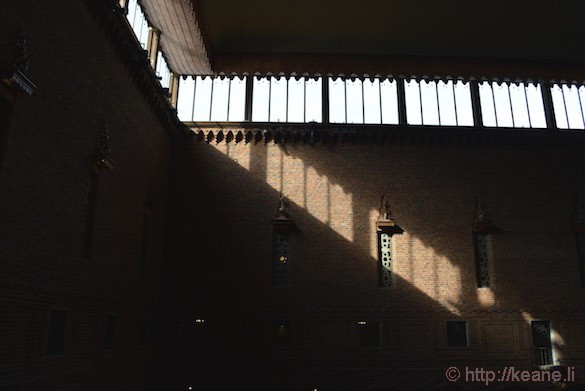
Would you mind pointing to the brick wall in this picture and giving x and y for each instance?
(81, 83)
(223, 271)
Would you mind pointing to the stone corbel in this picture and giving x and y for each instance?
(481, 220)
(386, 222)
(281, 220)
(14, 78)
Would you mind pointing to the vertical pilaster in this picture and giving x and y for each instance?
(174, 89)
(549, 111)
(324, 99)
(152, 46)
(401, 100)
(475, 103)
(249, 94)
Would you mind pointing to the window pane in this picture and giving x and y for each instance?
(446, 95)
(355, 104)
(313, 105)
(278, 96)
(336, 100)
(502, 101)
(535, 106)
(131, 11)
(237, 103)
(219, 103)
(487, 104)
(162, 71)
(372, 101)
(519, 108)
(457, 333)
(296, 99)
(185, 99)
(429, 102)
(260, 100)
(571, 93)
(413, 104)
(369, 334)
(559, 106)
(202, 106)
(389, 97)
(463, 102)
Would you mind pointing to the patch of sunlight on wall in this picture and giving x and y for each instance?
(301, 184)
(236, 153)
(431, 273)
(486, 296)
(557, 338)
(558, 345)
(340, 211)
(527, 316)
(275, 168)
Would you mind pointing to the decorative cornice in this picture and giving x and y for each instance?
(114, 25)
(318, 133)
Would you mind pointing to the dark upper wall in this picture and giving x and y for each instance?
(81, 83)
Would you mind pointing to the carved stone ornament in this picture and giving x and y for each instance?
(14, 78)
(386, 222)
(102, 158)
(20, 56)
(481, 220)
(282, 220)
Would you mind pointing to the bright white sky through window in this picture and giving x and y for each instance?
(374, 101)
(368, 101)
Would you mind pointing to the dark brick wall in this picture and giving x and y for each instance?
(81, 83)
(223, 272)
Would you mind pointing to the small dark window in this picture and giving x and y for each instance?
(368, 334)
(580, 239)
(281, 334)
(57, 332)
(457, 333)
(111, 332)
(541, 342)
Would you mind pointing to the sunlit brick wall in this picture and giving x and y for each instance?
(334, 194)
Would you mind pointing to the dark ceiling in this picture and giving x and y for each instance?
(512, 29)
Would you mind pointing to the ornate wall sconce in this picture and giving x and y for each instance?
(281, 226)
(386, 228)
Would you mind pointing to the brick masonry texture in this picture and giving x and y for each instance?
(81, 83)
(206, 213)
(334, 194)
